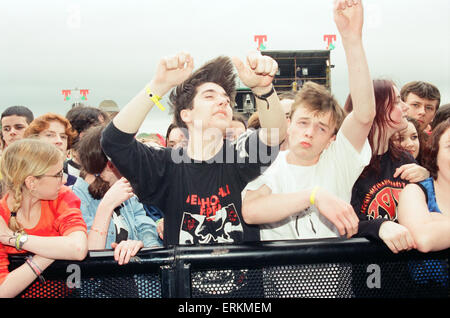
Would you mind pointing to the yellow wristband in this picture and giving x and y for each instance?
(312, 197)
(19, 235)
(155, 98)
(21, 238)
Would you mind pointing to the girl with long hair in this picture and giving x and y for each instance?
(114, 216)
(38, 214)
(424, 208)
(375, 194)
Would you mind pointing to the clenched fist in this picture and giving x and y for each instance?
(258, 71)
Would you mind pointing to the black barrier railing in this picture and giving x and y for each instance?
(329, 268)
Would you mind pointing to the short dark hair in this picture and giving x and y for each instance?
(19, 111)
(433, 150)
(84, 117)
(219, 71)
(421, 89)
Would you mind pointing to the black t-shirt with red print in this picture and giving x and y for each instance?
(375, 195)
(201, 200)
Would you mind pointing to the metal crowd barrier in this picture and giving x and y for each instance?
(327, 268)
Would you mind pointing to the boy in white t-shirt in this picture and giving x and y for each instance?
(306, 192)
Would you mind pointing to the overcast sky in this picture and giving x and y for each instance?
(112, 47)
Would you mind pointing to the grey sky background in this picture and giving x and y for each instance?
(112, 47)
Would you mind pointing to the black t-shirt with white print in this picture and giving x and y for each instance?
(201, 199)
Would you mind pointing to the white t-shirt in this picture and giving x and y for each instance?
(336, 171)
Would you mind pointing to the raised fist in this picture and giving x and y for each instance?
(258, 71)
(172, 71)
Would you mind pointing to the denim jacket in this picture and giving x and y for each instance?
(140, 226)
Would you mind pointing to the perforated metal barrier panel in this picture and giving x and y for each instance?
(49, 289)
(295, 270)
(136, 286)
(396, 280)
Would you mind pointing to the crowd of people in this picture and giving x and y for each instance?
(301, 167)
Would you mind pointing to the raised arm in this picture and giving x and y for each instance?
(258, 73)
(119, 192)
(430, 230)
(170, 72)
(349, 21)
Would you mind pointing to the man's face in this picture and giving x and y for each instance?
(13, 128)
(211, 108)
(309, 134)
(421, 109)
(176, 139)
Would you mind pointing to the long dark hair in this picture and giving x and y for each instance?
(384, 102)
(93, 160)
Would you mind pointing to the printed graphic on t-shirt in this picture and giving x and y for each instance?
(120, 224)
(382, 200)
(240, 144)
(222, 227)
(209, 205)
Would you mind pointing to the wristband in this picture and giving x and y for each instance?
(19, 235)
(155, 98)
(21, 238)
(98, 231)
(37, 271)
(312, 197)
(265, 96)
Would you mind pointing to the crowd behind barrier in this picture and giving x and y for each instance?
(327, 268)
(340, 175)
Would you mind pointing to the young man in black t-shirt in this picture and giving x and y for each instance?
(199, 187)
